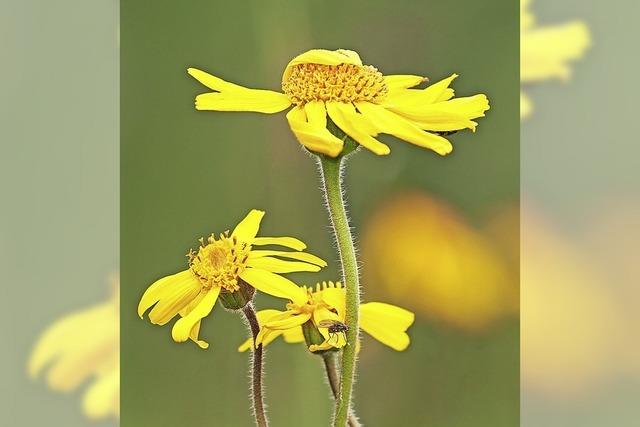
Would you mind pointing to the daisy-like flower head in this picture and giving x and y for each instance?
(334, 90)
(230, 268)
(326, 302)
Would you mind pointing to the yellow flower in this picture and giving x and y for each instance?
(227, 267)
(384, 322)
(81, 346)
(455, 274)
(546, 52)
(357, 98)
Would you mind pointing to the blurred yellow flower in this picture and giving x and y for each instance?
(84, 346)
(357, 98)
(226, 267)
(569, 320)
(384, 322)
(415, 245)
(545, 52)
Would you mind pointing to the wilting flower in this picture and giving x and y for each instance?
(357, 98)
(326, 304)
(84, 346)
(230, 268)
(545, 52)
(416, 245)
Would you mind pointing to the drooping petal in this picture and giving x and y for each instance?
(398, 126)
(386, 323)
(320, 347)
(454, 114)
(407, 130)
(287, 320)
(266, 336)
(395, 82)
(282, 318)
(310, 128)
(154, 292)
(248, 228)
(256, 100)
(194, 336)
(302, 256)
(182, 328)
(213, 82)
(323, 57)
(276, 265)
(289, 242)
(293, 335)
(175, 295)
(356, 126)
(195, 331)
(273, 284)
(263, 316)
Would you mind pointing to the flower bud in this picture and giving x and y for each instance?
(236, 300)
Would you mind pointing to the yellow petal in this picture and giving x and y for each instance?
(398, 126)
(436, 92)
(263, 316)
(174, 296)
(182, 328)
(324, 346)
(248, 228)
(309, 125)
(276, 265)
(335, 298)
(256, 100)
(396, 82)
(323, 57)
(356, 126)
(154, 292)
(454, 114)
(246, 345)
(336, 340)
(289, 242)
(266, 336)
(439, 91)
(213, 82)
(293, 335)
(193, 336)
(287, 320)
(302, 256)
(386, 323)
(273, 284)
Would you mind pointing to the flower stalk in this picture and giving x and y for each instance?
(332, 181)
(334, 382)
(259, 412)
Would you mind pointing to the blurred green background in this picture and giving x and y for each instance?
(185, 174)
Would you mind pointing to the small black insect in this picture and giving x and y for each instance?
(445, 132)
(334, 328)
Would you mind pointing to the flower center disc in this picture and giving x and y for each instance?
(342, 83)
(219, 262)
